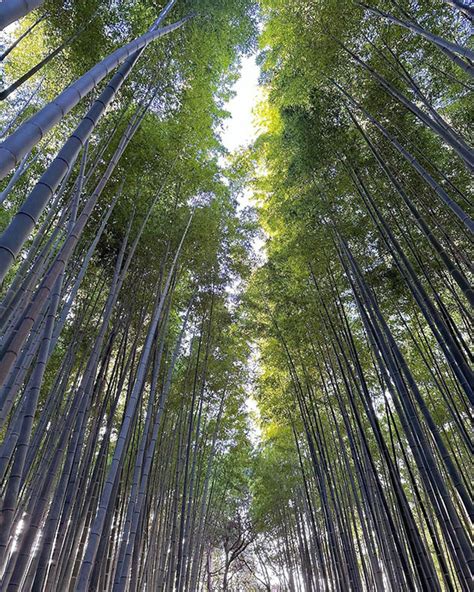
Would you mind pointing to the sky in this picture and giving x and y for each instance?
(240, 129)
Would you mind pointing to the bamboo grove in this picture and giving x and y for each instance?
(364, 172)
(137, 325)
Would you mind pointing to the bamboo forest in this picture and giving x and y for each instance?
(236, 295)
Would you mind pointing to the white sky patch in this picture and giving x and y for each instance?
(240, 129)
